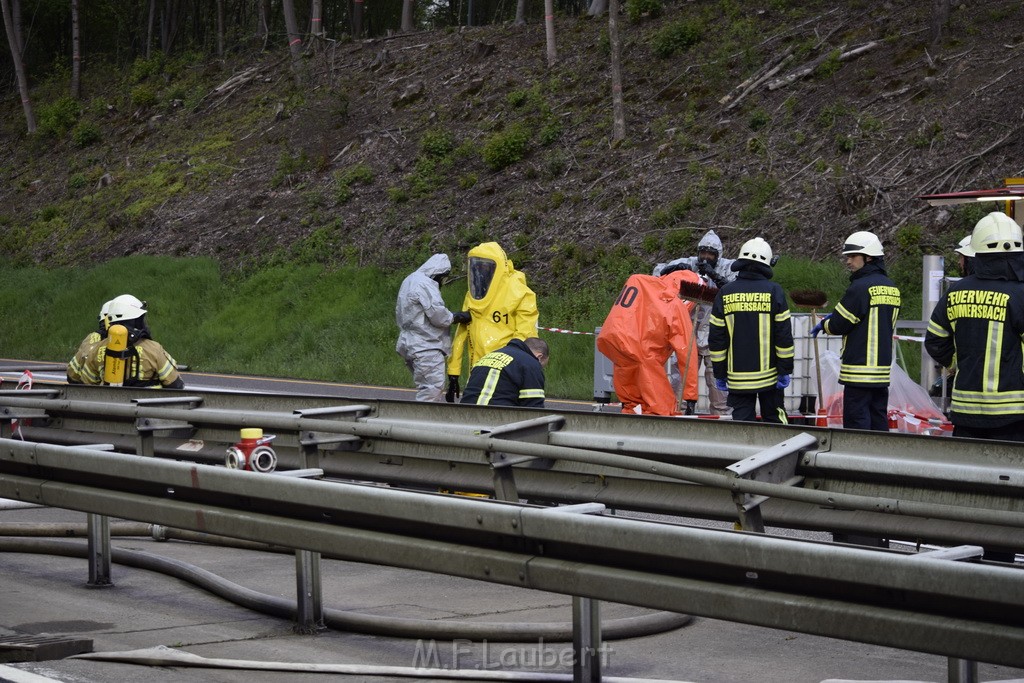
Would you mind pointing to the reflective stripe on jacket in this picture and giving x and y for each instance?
(978, 326)
(509, 376)
(751, 336)
(866, 318)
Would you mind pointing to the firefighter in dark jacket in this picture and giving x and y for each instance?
(751, 337)
(866, 318)
(978, 327)
(510, 376)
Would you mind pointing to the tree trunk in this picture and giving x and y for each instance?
(16, 20)
(940, 15)
(263, 23)
(549, 31)
(520, 13)
(169, 26)
(407, 7)
(357, 19)
(19, 66)
(469, 12)
(220, 29)
(618, 108)
(316, 20)
(597, 8)
(76, 53)
(294, 39)
(149, 28)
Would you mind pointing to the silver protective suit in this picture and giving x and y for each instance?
(722, 273)
(424, 340)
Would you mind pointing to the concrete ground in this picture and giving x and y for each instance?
(43, 594)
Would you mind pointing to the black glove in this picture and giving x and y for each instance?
(673, 267)
(461, 318)
(453, 389)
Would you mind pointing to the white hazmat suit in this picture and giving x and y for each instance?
(424, 339)
(720, 273)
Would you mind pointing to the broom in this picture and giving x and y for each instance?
(701, 292)
(813, 299)
(697, 291)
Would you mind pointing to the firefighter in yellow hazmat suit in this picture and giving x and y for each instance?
(502, 307)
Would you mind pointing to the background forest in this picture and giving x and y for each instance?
(263, 136)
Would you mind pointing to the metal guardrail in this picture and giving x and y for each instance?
(931, 489)
(874, 596)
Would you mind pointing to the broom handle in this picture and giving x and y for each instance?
(817, 358)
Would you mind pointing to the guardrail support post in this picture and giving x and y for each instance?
(586, 640)
(310, 606)
(776, 465)
(98, 528)
(586, 615)
(531, 431)
(962, 671)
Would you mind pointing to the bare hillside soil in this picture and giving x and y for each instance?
(797, 124)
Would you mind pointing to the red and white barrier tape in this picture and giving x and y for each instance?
(561, 331)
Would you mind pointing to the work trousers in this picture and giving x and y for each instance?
(428, 373)
(772, 404)
(866, 408)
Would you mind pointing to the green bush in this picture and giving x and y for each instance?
(144, 68)
(437, 143)
(550, 133)
(85, 134)
(57, 118)
(759, 118)
(636, 9)
(506, 148)
(143, 96)
(518, 98)
(289, 166)
(360, 173)
(830, 66)
(677, 37)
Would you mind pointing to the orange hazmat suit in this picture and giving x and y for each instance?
(647, 322)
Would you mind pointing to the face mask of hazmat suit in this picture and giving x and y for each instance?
(502, 306)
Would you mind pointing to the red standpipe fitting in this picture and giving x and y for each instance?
(252, 452)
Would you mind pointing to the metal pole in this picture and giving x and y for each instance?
(962, 671)
(932, 271)
(586, 640)
(99, 550)
(309, 596)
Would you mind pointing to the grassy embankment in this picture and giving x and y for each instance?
(307, 321)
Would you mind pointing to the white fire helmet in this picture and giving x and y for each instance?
(863, 242)
(756, 250)
(996, 233)
(125, 307)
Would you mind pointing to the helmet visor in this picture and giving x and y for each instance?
(481, 272)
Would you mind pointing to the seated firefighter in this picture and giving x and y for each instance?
(77, 362)
(135, 358)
